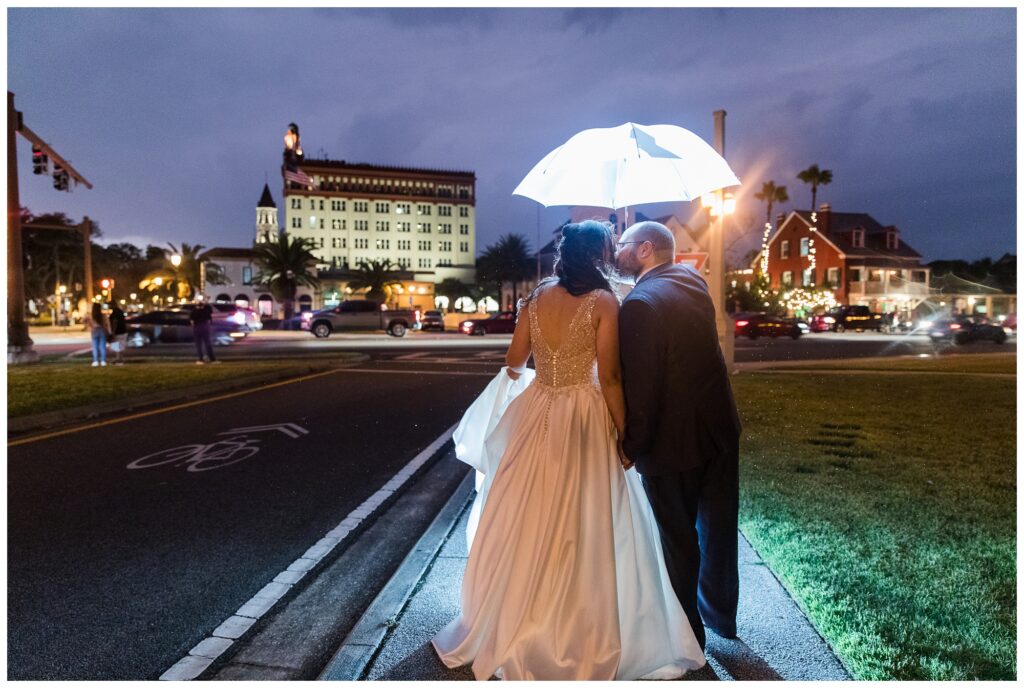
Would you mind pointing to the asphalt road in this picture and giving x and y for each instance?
(115, 573)
(825, 345)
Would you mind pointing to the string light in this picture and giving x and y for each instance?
(811, 251)
(808, 300)
(764, 248)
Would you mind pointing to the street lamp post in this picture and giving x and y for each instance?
(720, 204)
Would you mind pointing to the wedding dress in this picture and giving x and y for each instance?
(565, 578)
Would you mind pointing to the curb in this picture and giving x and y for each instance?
(50, 419)
(830, 362)
(360, 646)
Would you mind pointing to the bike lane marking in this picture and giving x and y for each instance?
(203, 654)
(165, 409)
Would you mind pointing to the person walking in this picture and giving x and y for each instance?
(119, 333)
(202, 325)
(99, 327)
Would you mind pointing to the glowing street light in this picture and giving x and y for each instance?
(176, 260)
(158, 281)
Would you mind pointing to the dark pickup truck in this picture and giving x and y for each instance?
(353, 316)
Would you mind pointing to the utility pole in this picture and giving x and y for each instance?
(19, 344)
(726, 339)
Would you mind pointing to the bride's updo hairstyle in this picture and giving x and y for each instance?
(581, 261)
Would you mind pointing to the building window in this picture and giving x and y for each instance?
(297, 203)
(404, 245)
(787, 278)
(919, 276)
(362, 225)
(338, 224)
(361, 243)
(833, 276)
(423, 227)
(383, 226)
(361, 206)
(424, 262)
(382, 207)
(446, 245)
(444, 210)
(337, 205)
(424, 245)
(875, 275)
(464, 230)
(296, 223)
(423, 210)
(312, 221)
(464, 246)
(858, 238)
(402, 208)
(785, 249)
(808, 277)
(383, 244)
(247, 275)
(892, 241)
(463, 211)
(404, 226)
(404, 262)
(805, 246)
(855, 275)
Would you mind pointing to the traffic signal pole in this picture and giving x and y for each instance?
(19, 344)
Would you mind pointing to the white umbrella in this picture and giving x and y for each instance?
(627, 165)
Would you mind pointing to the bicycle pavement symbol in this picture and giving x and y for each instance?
(236, 446)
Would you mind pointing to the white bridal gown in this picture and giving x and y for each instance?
(565, 578)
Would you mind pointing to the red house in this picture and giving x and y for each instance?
(861, 261)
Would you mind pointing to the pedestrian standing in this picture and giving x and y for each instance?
(119, 332)
(99, 328)
(202, 325)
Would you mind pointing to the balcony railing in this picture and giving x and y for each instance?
(894, 287)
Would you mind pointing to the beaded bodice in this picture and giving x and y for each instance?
(573, 363)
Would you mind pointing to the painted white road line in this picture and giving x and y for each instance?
(200, 657)
(413, 372)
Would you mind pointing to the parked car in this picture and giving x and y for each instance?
(499, 323)
(855, 318)
(967, 329)
(754, 325)
(1009, 321)
(432, 320)
(821, 323)
(171, 326)
(229, 311)
(349, 316)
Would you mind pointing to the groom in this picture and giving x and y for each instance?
(682, 429)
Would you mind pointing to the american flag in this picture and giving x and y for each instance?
(297, 176)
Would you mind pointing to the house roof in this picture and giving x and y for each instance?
(266, 200)
(314, 164)
(840, 234)
(228, 252)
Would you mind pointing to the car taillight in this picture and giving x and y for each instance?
(741, 323)
(954, 326)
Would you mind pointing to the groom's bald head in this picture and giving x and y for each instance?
(643, 246)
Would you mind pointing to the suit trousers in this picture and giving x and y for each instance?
(697, 515)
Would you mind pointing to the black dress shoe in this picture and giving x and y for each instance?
(729, 633)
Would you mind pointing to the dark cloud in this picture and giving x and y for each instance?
(177, 115)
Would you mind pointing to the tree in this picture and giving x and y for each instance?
(184, 277)
(508, 260)
(378, 276)
(453, 289)
(771, 195)
(815, 177)
(284, 266)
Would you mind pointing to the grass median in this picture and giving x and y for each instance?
(886, 505)
(55, 386)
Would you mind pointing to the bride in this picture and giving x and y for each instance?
(565, 578)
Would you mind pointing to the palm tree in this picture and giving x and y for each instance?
(184, 277)
(378, 276)
(815, 177)
(508, 260)
(772, 194)
(453, 289)
(284, 266)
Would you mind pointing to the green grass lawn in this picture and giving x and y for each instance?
(51, 386)
(886, 505)
(960, 363)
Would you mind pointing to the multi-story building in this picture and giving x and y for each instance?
(422, 220)
(851, 254)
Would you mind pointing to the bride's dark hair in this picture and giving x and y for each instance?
(581, 261)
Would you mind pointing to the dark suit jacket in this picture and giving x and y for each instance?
(680, 412)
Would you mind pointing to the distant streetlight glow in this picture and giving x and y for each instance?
(176, 260)
(717, 205)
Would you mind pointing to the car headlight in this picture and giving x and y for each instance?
(830, 320)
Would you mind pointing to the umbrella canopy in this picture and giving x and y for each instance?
(627, 165)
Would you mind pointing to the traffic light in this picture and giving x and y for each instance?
(40, 162)
(60, 178)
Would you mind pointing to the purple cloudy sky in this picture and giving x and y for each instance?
(177, 115)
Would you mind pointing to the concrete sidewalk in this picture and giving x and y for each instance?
(392, 639)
